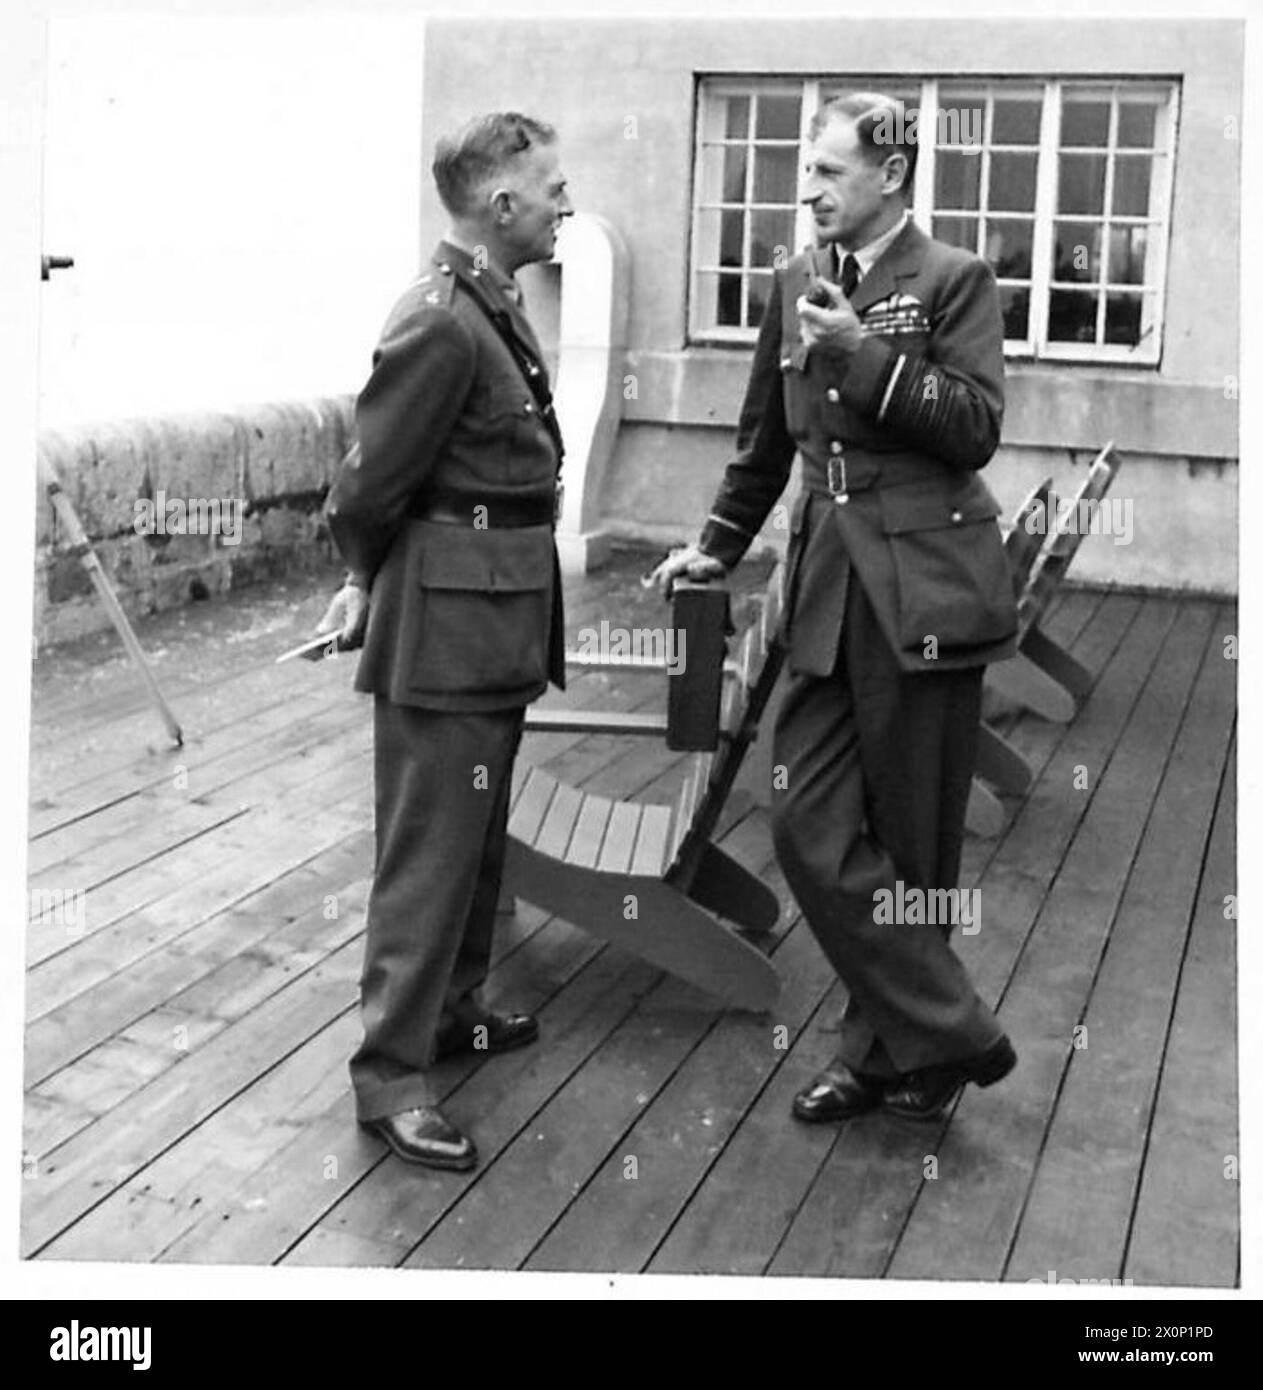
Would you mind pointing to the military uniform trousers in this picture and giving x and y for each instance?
(441, 828)
(878, 765)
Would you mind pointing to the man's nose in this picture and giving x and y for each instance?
(567, 207)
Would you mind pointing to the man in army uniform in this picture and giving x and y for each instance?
(880, 361)
(444, 512)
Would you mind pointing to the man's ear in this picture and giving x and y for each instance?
(502, 205)
(894, 171)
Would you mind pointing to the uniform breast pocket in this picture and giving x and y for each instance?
(504, 410)
(485, 610)
(952, 576)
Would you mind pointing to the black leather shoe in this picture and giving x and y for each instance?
(503, 1033)
(837, 1094)
(425, 1136)
(926, 1094)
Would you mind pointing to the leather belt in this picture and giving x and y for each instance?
(840, 477)
(499, 513)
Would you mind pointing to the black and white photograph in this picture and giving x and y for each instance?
(633, 655)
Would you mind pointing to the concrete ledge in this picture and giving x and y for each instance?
(181, 507)
(1046, 404)
(1180, 511)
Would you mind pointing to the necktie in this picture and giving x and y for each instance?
(850, 274)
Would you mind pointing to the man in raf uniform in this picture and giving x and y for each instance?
(880, 361)
(445, 513)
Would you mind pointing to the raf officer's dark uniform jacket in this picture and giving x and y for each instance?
(446, 505)
(891, 439)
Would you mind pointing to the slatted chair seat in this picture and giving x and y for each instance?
(647, 876)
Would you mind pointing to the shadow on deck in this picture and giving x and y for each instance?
(194, 950)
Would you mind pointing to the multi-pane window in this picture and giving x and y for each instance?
(1064, 186)
(748, 165)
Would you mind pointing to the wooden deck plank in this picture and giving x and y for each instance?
(851, 1220)
(89, 1166)
(616, 1224)
(499, 1220)
(145, 1214)
(275, 1206)
(97, 847)
(102, 780)
(72, 719)
(328, 776)
(221, 672)
(396, 1206)
(1187, 1220)
(245, 955)
(993, 1145)
(191, 1144)
(733, 1223)
(228, 865)
(400, 1209)
(207, 1165)
(1079, 1208)
(223, 1153)
(112, 1003)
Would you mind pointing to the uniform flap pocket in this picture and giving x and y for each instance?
(506, 398)
(507, 560)
(929, 507)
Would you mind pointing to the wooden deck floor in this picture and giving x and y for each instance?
(188, 1032)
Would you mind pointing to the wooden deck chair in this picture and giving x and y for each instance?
(1044, 677)
(647, 876)
(998, 762)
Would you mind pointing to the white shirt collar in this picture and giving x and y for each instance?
(867, 256)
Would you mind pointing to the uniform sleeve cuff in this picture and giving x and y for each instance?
(723, 542)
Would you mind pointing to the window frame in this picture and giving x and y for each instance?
(712, 89)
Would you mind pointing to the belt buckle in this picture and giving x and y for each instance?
(836, 474)
(559, 493)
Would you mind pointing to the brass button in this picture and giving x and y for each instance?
(841, 498)
(832, 396)
(956, 516)
(835, 446)
(527, 406)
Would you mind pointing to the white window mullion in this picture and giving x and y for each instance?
(1047, 172)
(1107, 206)
(923, 180)
(984, 179)
(804, 226)
(702, 312)
(1157, 235)
(747, 217)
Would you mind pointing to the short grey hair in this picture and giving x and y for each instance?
(478, 151)
(877, 117)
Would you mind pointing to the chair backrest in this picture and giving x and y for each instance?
(1028, 534)
(751, 676)
(1053, 560)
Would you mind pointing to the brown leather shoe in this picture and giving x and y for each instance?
(837, 1093)
(424, 1135)
(925, 1094)
(500, 1033)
